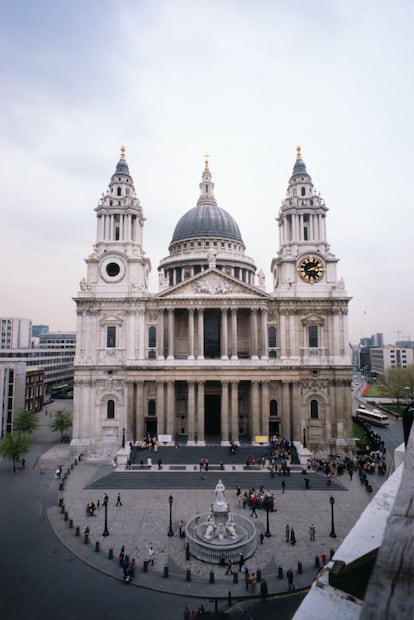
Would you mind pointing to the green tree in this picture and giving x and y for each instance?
(62, 420)
(396, 380)
(25, 422)
(13, 446)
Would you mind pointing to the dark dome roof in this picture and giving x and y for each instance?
(299, 168)
(121, 167)
(206, 220)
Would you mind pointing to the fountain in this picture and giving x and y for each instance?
(219, 535)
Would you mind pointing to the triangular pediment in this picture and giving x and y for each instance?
(313, 319)
(212, 283)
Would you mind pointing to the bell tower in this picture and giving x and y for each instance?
(117, 265)
(304, 264)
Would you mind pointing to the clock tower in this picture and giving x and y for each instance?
(304, 265)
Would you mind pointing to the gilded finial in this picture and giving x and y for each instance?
(123, 152)
(206, 155)
(298, 153)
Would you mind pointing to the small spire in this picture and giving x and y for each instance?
(206, 155)
(123, 153)
(298, 153)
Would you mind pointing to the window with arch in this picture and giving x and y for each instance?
(272, 337)
(110, 409)
(314, 409)
(152, 337)
(118, 191)
(273, 407)
(151, 407)
(303, 191)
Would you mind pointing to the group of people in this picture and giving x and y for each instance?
(254, 499)
(128, 566)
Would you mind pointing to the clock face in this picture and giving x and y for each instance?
(311, 269)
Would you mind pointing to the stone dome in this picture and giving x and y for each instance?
(206, 220)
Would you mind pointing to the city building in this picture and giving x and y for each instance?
(15, 333)
(12, 392)
(390, 356)
(212, 355)
(39, 329)
(35, 388)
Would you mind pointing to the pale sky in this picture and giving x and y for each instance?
(171, 79)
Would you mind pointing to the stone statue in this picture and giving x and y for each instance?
(211, 526)
(230, 526)
(211, 258)
(220, 498)
(261, 277)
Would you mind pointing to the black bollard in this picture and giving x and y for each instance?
(229, 598)
(331, 553)
(188, 574)
(300, 569)
(77, 531)
(110, 554)
(86, 538)
(280, 572)
(187, 551)
(61, 486)
(66, 516)
(317, 561)
(61, 501)
(258, 575)
(62, 508)
(211, 576)
(71, 524)
(165, 571)
(145, 566)
(97, 546)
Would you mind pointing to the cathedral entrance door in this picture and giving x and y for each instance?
(273, 428)
(212, 404)
(212, 334)
(151, 427)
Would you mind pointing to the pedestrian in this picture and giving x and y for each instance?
(261, 538)
(241, 562)
(292, 536)
(263, 588)
(289, 576)
(306, 482)
(287, 533)
(253, 583)
(186, 615)
(159, 464)
(180, 527)
(254, 509)
(246, 577)
(229, 565)
(312, 531)
(98, 505)
(238, 490)
(121, 556)
(323, 559)
(193, 615)
(151, 555)
(118, 500)
(132, 568)
(283, 486)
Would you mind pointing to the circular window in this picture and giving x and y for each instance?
(113, 269)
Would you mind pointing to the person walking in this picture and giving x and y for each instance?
(229, 565)
(287, 533)
(151, 555)
(241, 562)
(261, 538)
(312, 531)
(289, 575)
(263, 588)
(292, 536)
(254, 509)
(253, 583)
(283, 486)
(118, 500)
(186, 615)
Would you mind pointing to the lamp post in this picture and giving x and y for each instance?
(105, 504)
(123, 437)
(304, 437)
(332, 534)
(268, 504)
(170, 501)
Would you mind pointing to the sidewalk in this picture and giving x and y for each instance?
(143, 520)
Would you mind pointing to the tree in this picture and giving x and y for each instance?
(13, 446)
(395, 380)
(62, 420)
(25, 422)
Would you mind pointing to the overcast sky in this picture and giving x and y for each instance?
(247, 82)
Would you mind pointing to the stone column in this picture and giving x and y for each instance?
(160, 334)
(191, 411)
(224, 335)
(170, 334)
(264, 430)
(191, 333)
(286, 430)
(335, 335)
(265, 350)
(224, 417)
(170, 408)
(200, 428)
(253, 328)
(234, 334)
(234, 425)
(200, 355)
(131, 432)
(282, 334)
(140, 409)
(141, 334)
(255, 412)
(161, 422)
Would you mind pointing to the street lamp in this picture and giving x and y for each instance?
(123, 437)
(332, 534)
(170, 501)
(304, 437)
(105, 504)
(268, 502)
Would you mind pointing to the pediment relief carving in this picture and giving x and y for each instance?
(212, 283)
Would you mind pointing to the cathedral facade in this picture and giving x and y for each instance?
(212, 356)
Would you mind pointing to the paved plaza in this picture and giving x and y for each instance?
(143, 519)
